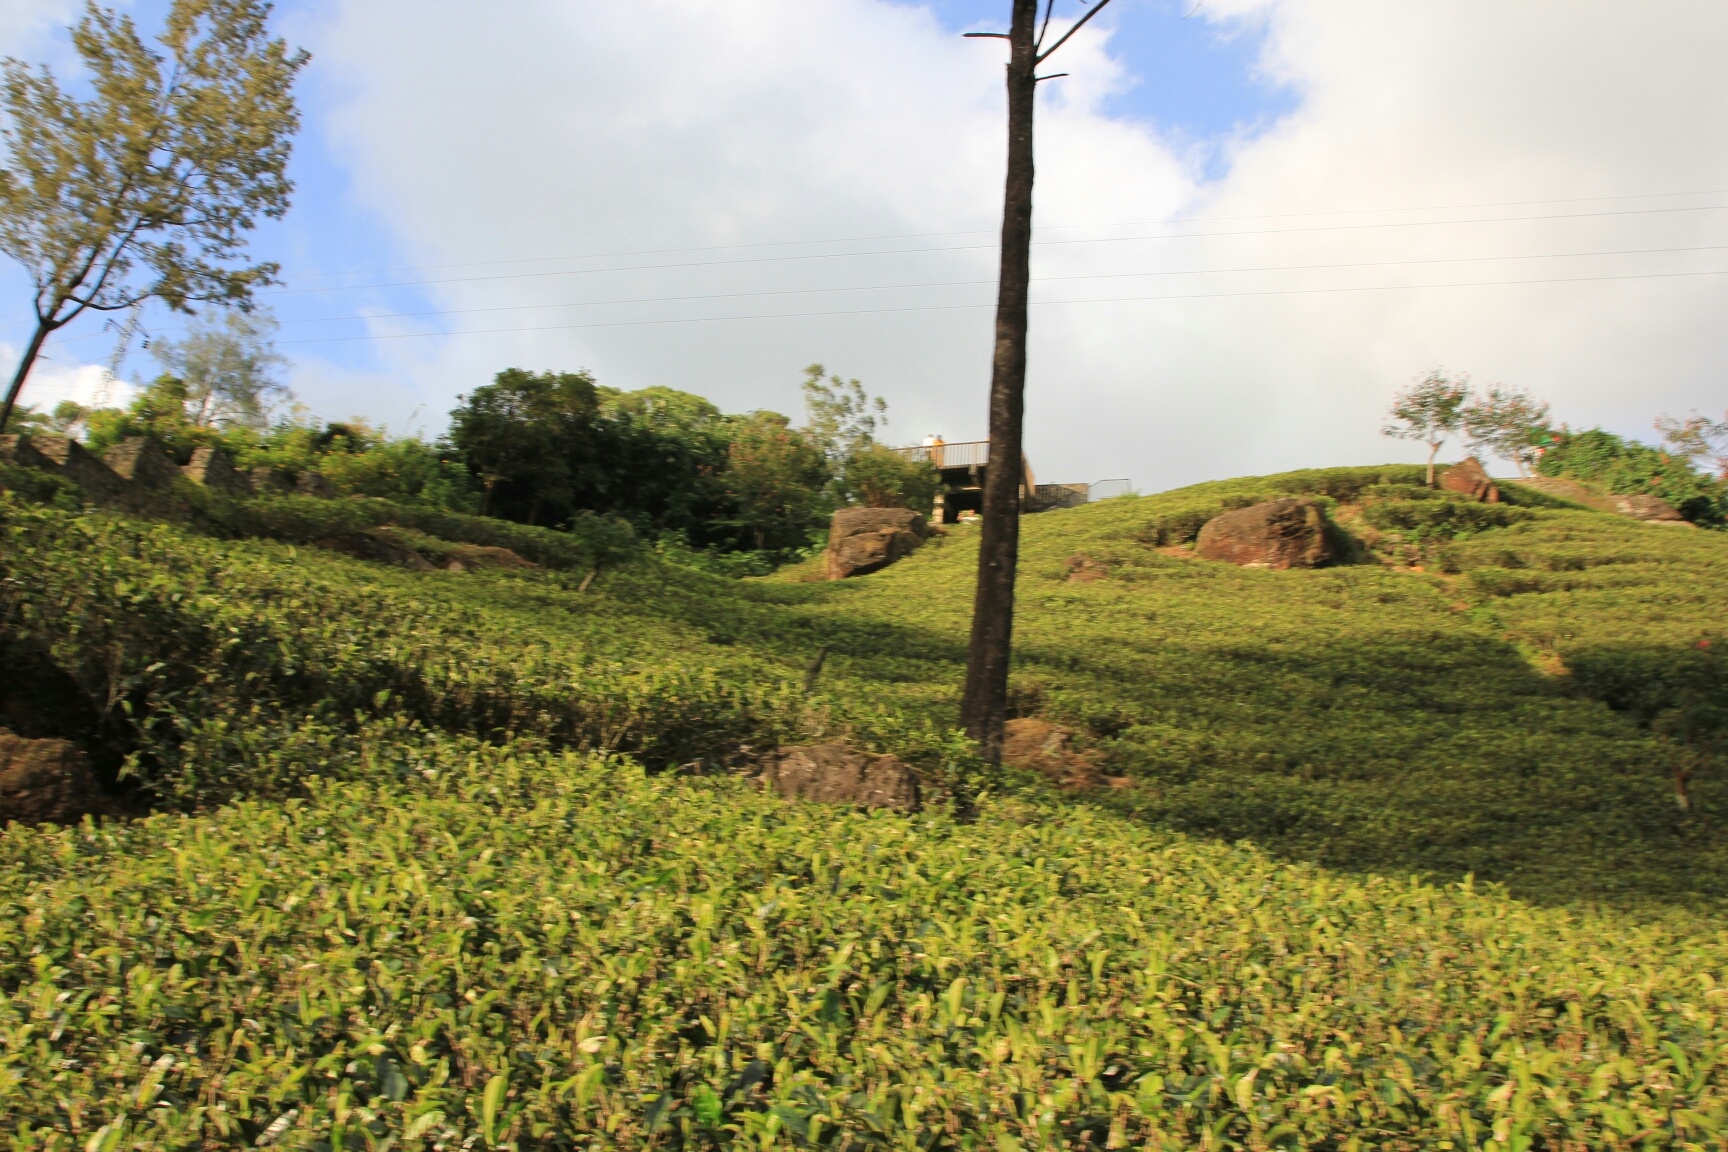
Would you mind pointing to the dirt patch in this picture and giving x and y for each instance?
(1083, 569)
(1048, 749)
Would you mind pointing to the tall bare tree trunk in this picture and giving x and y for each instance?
(43, 330)
(984, 708)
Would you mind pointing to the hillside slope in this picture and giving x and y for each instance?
(421, 893)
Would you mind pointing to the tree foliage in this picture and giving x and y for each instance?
(1507, 422)
(227, 365)
(146, 189)
(1431, 411)
(1698, 439)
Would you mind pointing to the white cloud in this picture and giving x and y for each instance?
(545, 128)
(50, 383)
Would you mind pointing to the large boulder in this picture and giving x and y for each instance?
(46, 782)
(835, 774)
(1047, 748)
(142, 461)
(1280, 534)
(1470, 479)
(210, 468)
(1650, 509)
(865, 540)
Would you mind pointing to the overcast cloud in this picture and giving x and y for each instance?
(548, 129)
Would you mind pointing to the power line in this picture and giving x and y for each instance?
(975, 283)
(978, 247)
(985, 231)
(968, 307)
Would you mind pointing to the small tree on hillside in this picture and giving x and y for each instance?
(1430, 410)
(1507, 422)
(1698, 438)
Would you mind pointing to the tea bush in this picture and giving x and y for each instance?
(499, 948)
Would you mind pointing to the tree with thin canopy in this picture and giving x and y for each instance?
(984, 707)
(146, 189)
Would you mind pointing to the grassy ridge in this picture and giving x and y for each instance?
(500, 947)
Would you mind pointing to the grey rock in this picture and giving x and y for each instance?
(267, 481)
(1648, 508)
(210, 468)
(865, 540)
(142, 461)
(314, 484)
(836, 774)
(1279, 534)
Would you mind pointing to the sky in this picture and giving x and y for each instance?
(1255, 219)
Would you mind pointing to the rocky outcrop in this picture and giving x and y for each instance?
(470, 557)
(46, 782)
(835, 774)
(1280, 534)
(1049, 750)
(1470, 479)
(210, 468)
(1650, 509)
(369, 546)
(267, 481)
(866, 540)
(141, 460)
(66, 458)
(314, 484)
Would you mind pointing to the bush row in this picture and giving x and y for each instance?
(508, 949)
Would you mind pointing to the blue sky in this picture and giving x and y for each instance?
(513, 140)
(1192, 81)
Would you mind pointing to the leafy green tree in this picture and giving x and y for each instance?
(146, 189)
(1509, 423)
(159, 412)
(879, 477)
(839, 415)
(775, 477)
(227, 365)
(1430, 410)
(660, 456)
(529, 438)
(1698, 438)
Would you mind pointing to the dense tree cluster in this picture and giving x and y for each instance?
(542, 448)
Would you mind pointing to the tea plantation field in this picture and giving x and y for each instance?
(452, 861)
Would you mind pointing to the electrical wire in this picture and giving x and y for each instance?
(967, 307)
(984, 231)
(972, 248)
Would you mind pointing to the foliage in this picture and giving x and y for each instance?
(498, 947)
(226, 367)
(443, 910)
(839, 415)
(529, 438)
(159, 412)
(1509, 423)
(1627, 467)
(879, 477)
(1430, 410)
(164, 168)
(1698, 438)
(774, 477)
